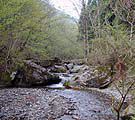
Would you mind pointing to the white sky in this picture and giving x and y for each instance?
(70, 7)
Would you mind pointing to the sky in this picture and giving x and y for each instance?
(68, 6)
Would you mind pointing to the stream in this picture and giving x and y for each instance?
(54, 102)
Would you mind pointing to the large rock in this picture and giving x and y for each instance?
(69, 66)
(80, 78)
(49, 63)
(79, 68)
(75, 69)
(99, 82)
(86, 76)
(58, 69)
(34, 75)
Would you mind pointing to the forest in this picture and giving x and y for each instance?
(54, 66)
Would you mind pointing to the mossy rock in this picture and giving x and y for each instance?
(34, 75)
(97, 82)
(61, 70)
(102, 69)
(58, 69)
(106, 69)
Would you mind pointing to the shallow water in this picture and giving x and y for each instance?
(53, 104)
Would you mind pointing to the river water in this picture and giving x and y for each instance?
(54, 104)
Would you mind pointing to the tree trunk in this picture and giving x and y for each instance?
(85, 31)
(118, 116)
(131, 31)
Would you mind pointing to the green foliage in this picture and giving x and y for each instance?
(63, 39)
(67, 84)
(105, 48)
(133, 118)
(33, 29)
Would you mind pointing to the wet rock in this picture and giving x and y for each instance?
(34, 75)
(1, 115)
(18, 77)
(80, 74)
(45, 104)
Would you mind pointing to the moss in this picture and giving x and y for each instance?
(5, 78)
(102, 69)
(102, 79)
(61, 70)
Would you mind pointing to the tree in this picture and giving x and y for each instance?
(34, 29)
(92, 19)
(127, 85)
(124, 9)
(20, 25)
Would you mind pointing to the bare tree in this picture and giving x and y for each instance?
(127, 84)
(124, 9)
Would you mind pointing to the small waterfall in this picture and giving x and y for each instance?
(64, 77)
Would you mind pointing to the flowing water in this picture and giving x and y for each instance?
(54, 104)
(51, 103)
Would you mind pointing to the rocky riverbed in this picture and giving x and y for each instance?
(43, 74)
(53, 104)
(45, 96)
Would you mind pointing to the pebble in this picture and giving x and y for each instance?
(42, 104)
(1, 115)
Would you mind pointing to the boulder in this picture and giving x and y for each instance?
(75, 69)
(79, 68)
(80, 78)
(69, 66)
(86, 76)
(18, 78)
(99, 82)
(58, 69)
(94, 82)
(49, 63)
(1, 115)
(34, 75)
